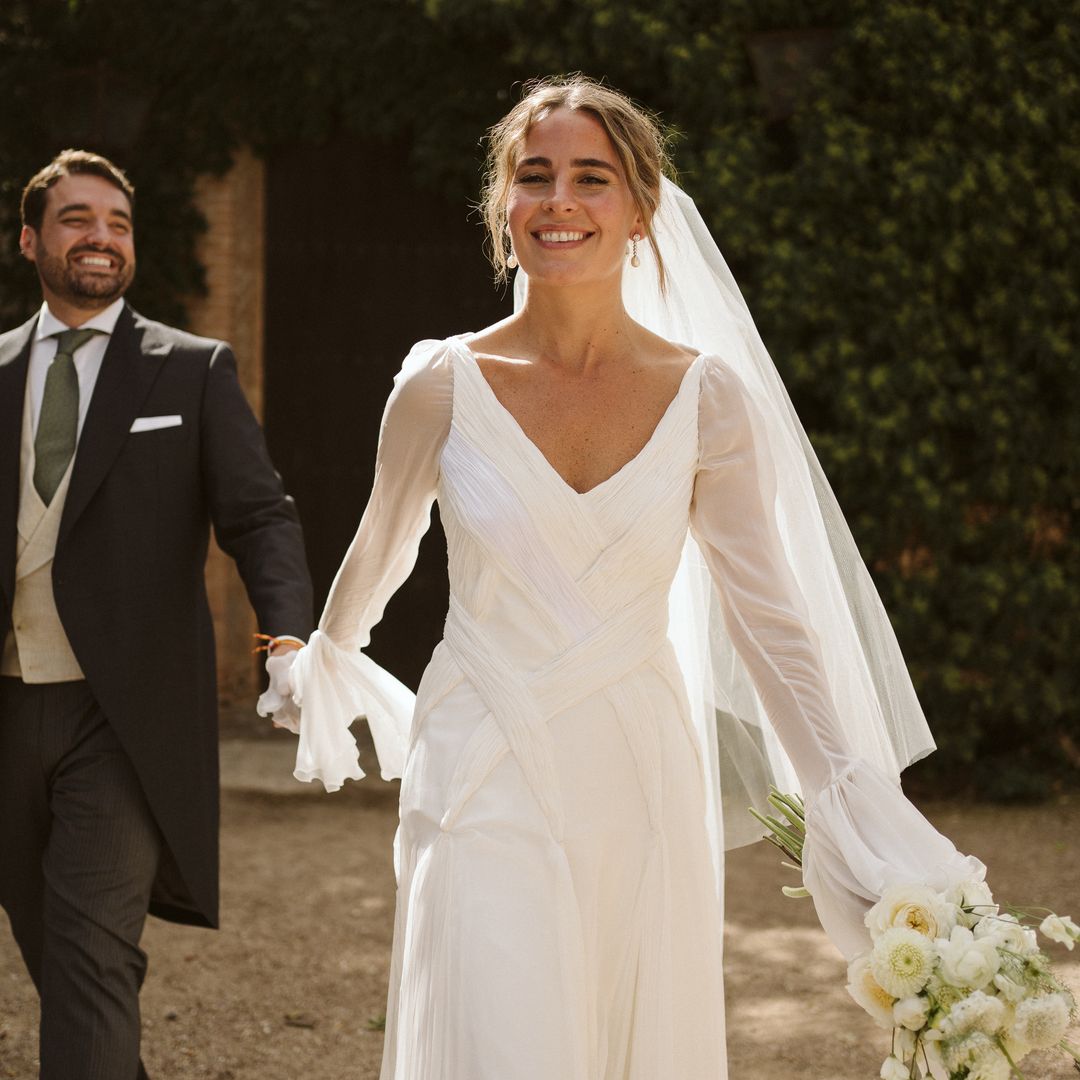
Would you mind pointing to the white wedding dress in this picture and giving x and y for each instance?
(558, 916)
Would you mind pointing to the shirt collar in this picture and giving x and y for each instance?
(105, 321)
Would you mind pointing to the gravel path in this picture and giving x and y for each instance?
(294, 983)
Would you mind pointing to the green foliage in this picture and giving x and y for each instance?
(905, 237)
(929, 318)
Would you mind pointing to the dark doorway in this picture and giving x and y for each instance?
(361, 262)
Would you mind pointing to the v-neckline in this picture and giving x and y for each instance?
(669, 409)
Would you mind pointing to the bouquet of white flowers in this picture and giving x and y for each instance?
(961, 983)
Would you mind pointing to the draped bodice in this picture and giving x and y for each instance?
(545, 570)
(555, 594)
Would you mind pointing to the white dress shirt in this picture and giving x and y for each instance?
(87, 359)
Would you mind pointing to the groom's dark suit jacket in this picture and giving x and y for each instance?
(128, 570)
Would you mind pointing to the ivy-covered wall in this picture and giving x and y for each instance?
(902, 213)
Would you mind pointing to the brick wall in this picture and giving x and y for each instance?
(232, 252)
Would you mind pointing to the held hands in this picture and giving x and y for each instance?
(277, 701)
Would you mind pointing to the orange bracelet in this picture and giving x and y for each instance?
(272, 642)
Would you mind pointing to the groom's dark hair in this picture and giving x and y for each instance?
(69, 163)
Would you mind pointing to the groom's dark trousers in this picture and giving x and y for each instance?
(109, 784)
(87, 830)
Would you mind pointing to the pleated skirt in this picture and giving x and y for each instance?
(522, 956)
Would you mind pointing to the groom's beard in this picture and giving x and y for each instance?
(81, 286)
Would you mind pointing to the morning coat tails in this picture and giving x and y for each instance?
(128, 568)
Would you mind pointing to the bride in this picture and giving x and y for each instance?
(559, 860)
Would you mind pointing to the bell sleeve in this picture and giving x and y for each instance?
(331, 680)
(863, 835)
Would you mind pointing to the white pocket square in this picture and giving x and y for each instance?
(152, 423)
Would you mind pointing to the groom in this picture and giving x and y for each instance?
(121, 442)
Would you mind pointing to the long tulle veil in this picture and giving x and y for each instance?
(878, 710)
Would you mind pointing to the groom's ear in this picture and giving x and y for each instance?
(27, 242)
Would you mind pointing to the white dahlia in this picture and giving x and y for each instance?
(902, 961)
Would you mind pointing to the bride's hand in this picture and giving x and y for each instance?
(277, 701)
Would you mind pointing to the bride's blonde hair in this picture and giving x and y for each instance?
(636, 135)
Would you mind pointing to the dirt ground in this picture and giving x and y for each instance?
(294, 983)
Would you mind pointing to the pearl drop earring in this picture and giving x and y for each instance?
(511, 259)
(634, 260)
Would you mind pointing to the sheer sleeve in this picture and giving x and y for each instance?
(862, 833)
(332, 681)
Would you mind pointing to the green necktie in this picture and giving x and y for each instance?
(58, 425)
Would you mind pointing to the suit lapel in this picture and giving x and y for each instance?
(14, 364)
(128, 370)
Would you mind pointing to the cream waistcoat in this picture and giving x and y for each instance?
(37, 649)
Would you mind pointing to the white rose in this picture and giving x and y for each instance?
(915, 907)
(911, 1013)
(1007, 932)
(966, 961)
(1062, 929)
(866, 992)
(892, 1068)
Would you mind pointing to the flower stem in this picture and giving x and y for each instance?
(1012, 1064)
(787, 841)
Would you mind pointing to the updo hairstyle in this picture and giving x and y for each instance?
(636, 135)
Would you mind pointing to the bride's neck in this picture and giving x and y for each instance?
(576, 328)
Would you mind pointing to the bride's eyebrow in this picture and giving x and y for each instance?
(577, 163)
(593, 163)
